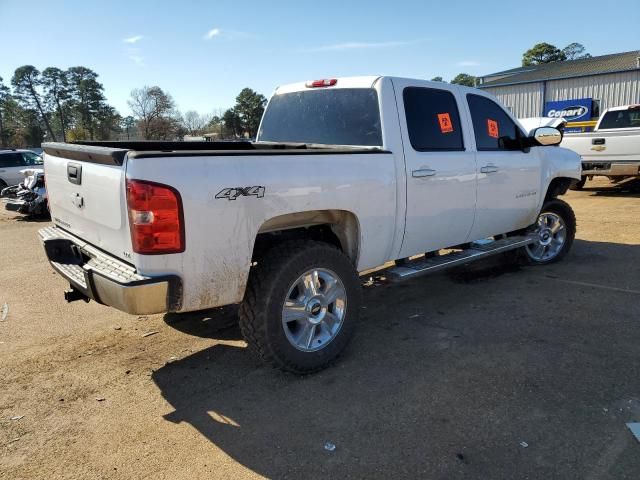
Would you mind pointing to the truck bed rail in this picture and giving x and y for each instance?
(113, 153)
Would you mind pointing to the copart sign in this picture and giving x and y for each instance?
(578, 110)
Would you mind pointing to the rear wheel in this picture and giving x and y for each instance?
(554, 232)
(301, 306)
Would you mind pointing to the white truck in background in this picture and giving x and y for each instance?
(612, 149)
(346, 175)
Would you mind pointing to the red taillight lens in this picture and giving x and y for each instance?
(155, 218)
(327, 82)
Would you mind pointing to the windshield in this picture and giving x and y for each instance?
(620, 119)
(32, 158)
(342, 116)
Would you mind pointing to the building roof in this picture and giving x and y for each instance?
(615, 62)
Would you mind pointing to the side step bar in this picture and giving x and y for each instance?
(477, 251)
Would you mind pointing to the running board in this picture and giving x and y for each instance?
(477, 251)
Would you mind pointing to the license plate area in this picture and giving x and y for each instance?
(62, 250)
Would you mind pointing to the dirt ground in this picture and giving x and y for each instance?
(499, 372)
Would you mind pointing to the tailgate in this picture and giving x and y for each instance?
(605, 147)
(86, 189)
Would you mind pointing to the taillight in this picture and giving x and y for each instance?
(327, 82)
(155, 218)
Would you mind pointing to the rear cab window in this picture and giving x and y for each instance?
(492, 126)
(433, 119)
(620, 119)
(338, 116)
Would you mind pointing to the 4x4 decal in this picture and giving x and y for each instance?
(235, 192)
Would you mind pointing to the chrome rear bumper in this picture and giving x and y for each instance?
(101, 277)
(612, 169)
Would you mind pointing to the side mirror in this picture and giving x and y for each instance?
(547, 136)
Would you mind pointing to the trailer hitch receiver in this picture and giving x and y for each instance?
(73, 295)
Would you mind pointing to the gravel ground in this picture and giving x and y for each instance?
(495, 372)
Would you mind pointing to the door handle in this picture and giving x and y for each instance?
(74, 173)
(489, 169)
(423, 172)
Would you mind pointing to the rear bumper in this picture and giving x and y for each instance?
(612, 168)
(107, 280)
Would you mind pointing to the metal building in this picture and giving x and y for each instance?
(577, 90)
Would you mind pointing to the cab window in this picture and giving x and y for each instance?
(433, 121)
(11, 160)
(620, 119)
(493, 128)
(31, 158)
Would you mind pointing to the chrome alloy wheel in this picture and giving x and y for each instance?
(314, 309)
(550, 236)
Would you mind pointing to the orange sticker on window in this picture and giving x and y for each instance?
(445, 123)
(492, 128)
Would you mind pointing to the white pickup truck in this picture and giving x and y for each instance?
(612, 149)
(346, 175)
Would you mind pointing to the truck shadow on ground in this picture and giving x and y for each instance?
(219, 323)
(445, 378)
(626, 188)
(32, 218)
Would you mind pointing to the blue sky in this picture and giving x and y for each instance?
(205, 52)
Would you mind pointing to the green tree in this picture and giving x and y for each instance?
(542, 53)
(464, 79)
(4, 97)
(437, 79)
(22, 126)
(108, 122)
(232, 123)
(25, 82)
(249, 108)
(575, 51)
(216, 125)
(56, 90)
(87, 100)
(128, 123)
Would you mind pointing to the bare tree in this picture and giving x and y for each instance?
(195, 123)
(153, 109)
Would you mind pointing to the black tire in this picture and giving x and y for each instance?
(578, 184)
(268, 286)
(565, 212)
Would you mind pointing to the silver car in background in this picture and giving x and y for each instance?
(12, 161)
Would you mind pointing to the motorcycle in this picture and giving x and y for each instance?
(28, 197)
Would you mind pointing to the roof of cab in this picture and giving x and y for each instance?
(624, 107)
(343, 82)
(365, 81)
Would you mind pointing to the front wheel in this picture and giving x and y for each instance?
(554, 232)
(301, 306)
